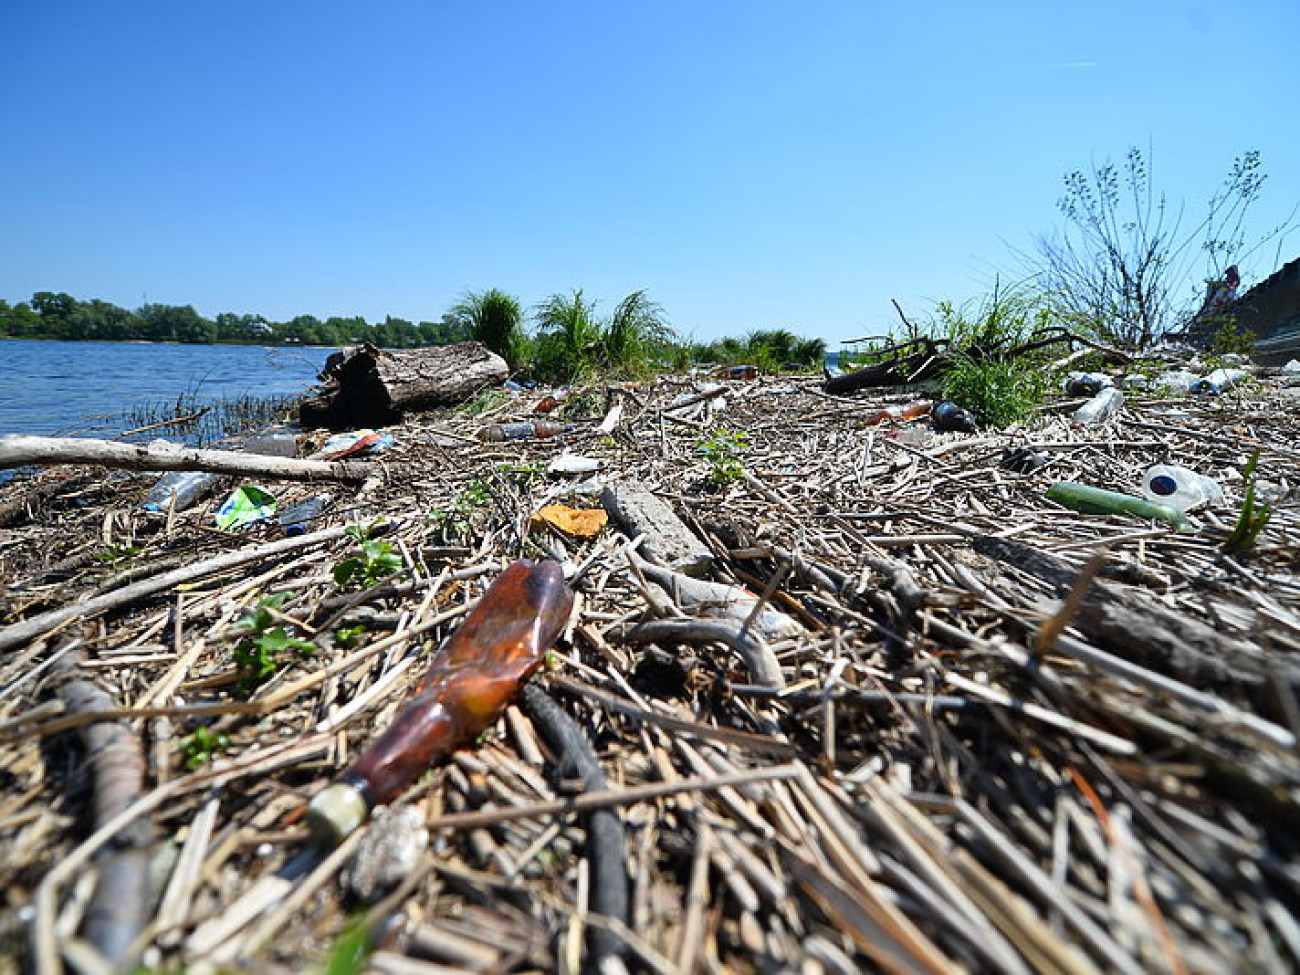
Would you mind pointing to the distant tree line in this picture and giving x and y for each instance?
(564, 339)
(61, 316)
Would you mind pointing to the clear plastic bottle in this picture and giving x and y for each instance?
(1180, 487)
(1219, 381)
(1098, 409)
(277, 441)
(527, 430)
(179, 490)
(297, 518)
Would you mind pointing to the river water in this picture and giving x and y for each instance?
(93, 388)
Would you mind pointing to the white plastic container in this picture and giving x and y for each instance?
(1180, 487)
(1100, 408)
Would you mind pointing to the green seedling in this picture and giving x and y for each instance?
(260, 652)
(455, 518)
(349, 636)
(114, 554)
(1254, 514)
(722, 450)
(377, 560)
(202, 745)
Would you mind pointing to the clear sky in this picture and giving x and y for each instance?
(750, 164)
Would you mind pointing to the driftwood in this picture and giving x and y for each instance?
(19, 633)
(925, 358)
(367, 387)
(1149, 633)
(17, 450)
(120, 907)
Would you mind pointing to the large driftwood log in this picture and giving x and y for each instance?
(18, 450)
(368, 387)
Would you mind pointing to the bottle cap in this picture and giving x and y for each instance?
(335, 813)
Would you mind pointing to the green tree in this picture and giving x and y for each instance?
(55, 311)
(495, 319)
(176, 323)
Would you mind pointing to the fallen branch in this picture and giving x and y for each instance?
(19, 450)
(19, 633)
(119, 908)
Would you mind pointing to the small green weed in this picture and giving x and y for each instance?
(1231, 337)
(722, 450)
(484, 402)
(259, 653)
(1254, 515)
(202, 745)
(349, 636)
(377, 560)
(114, 554)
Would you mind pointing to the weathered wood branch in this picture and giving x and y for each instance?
(119, 908)
(18, 450)
(1150, 634)
(367, 387)
(17, 634)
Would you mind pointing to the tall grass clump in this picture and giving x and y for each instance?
(982, 376)
(497, 320)
(573, 344)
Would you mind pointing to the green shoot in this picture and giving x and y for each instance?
(259, 654)
(1253, 516)
(722, 450)
(202, 745)
(377, 560)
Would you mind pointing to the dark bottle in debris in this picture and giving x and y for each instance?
(737, 372)
(527, 430)
(1086, 383)
(297, 518)
(949, 416)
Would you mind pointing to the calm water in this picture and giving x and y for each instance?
(85, 388)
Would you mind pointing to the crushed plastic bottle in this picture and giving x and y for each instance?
(1219, 381)
(527, 430)
(1180, 487)
(278, 441)
(1094, 500)
(949, 416)
(1098, 409)
(179, 490)
(1175, 381)
(297, 518)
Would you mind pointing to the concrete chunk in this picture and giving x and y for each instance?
(668, 542)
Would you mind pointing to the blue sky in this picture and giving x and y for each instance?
(750, 164)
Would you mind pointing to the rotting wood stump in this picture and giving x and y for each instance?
(369, 387)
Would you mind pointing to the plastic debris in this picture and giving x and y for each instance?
(573, 464)
(297, 518)
(527, 430)
(1180, 487)
(1219, 381)
(574, 522)
(737, 372)
(1098, 501)
(354, 444)
(901, 411)
(1023, 460)
(1098, 409)
(246, 505)
(1086, 383)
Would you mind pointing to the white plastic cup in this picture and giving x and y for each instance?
(1180, 487)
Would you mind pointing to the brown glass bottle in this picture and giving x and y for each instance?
(467, 687)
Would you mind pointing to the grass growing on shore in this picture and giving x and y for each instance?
(200, 424)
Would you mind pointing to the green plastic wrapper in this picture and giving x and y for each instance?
(1098, 501)
(246, 505)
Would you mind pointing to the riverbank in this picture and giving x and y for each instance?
(970, 756)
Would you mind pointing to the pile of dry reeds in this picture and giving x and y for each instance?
(1002, 736)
